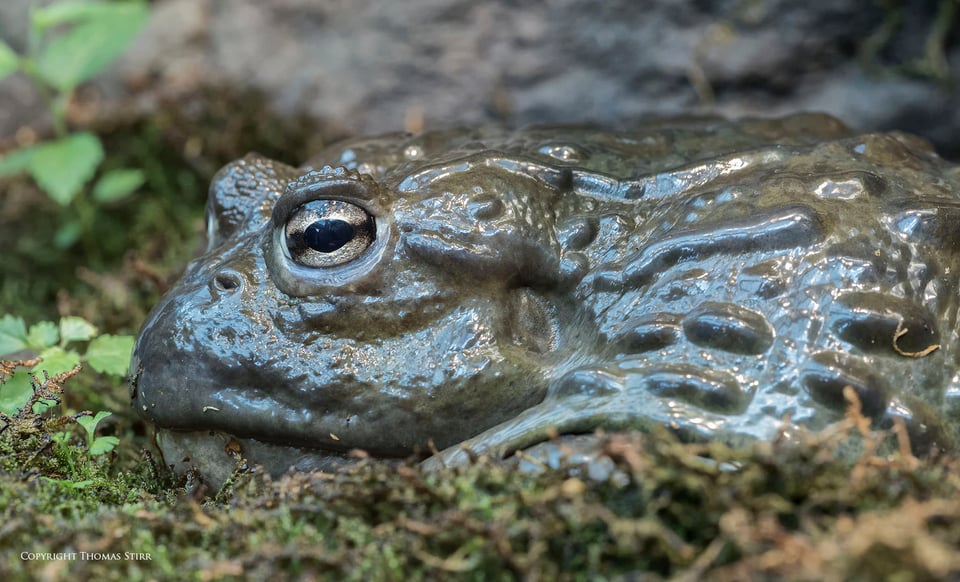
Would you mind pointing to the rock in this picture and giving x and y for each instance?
(377, 66)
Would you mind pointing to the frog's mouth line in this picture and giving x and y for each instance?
(240, 416)
(228, 423)
(325, 414)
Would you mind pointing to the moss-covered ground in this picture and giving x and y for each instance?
(784, 510)
(790, 510)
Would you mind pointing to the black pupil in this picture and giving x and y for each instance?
(328, 235)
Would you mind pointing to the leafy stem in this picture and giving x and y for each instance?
(68, 44)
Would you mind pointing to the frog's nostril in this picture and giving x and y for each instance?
(228, 280)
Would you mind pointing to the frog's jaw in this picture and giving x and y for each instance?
(207, 360)
(216, 455)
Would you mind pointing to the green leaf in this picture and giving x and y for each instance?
(75, 329)
(117, 184)
(62, 437)
(67, 12)
(91, 45)
(17, 161)
(56, 360)
(67, 233)
(100, 416)
(103, 444)
(110, 354)
(9, 61)
(43, 405)
(15, 392)
(43, 335)
(89, 423)
(62, 167)
(13, 335)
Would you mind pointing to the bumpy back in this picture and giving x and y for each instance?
(739, 273)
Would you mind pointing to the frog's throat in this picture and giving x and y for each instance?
(216, 455)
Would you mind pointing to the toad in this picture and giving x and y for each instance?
(484, 288)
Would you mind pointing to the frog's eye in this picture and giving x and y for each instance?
(327, 233)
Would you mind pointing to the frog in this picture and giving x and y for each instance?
(484, 290)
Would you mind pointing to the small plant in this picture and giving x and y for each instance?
(97, 445)
(55, 347)
(66, 452)
(26, 434)
(70, 43)
(73, 457)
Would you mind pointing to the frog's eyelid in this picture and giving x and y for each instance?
(356, 188)
(329, 176)
(361, 193)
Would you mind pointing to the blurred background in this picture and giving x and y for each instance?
(368, 66)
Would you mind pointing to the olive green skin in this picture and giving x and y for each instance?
(726, 279)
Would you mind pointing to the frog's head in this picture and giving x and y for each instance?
(332, 311)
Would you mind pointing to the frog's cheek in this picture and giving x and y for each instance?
(213, 359)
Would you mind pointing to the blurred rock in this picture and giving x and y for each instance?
(372, 65)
